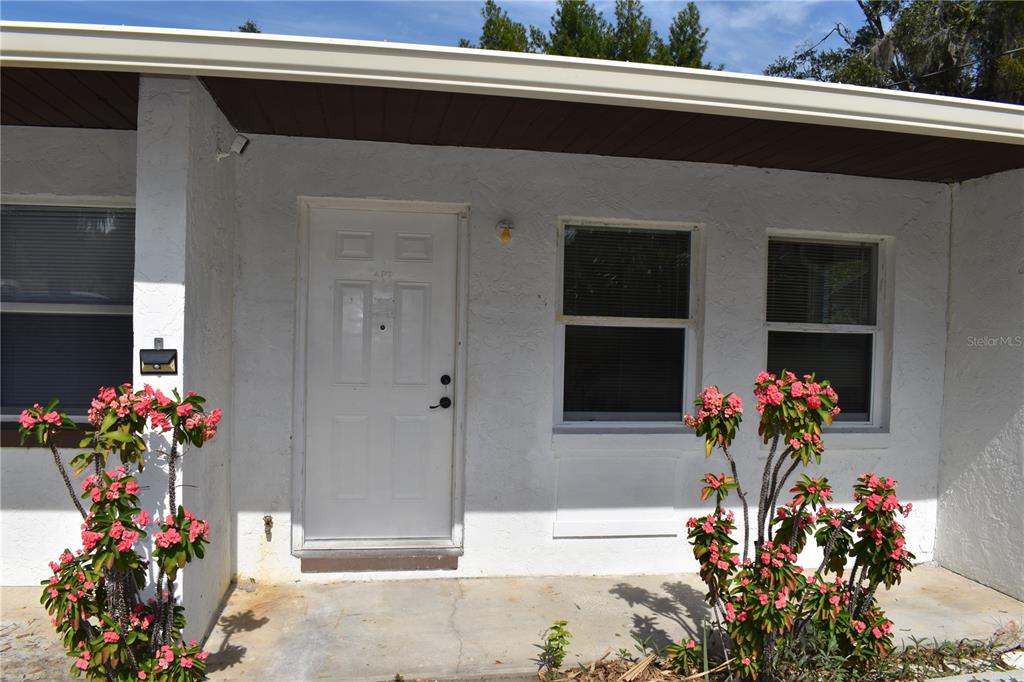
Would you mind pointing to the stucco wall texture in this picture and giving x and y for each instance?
(520, 477)
(37, 520)
(216, 275)
(184, 268)
(981, 469)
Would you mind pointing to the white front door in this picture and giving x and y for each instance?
(380, 347)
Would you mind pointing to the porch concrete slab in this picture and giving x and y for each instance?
(470, 628)
(486, 627)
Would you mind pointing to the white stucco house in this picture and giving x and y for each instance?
(455, 302)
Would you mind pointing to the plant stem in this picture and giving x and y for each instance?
(743, 498)
(781, 484)
(761, 500)
(67, 481)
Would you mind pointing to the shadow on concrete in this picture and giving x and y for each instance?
(680, 604)
(227, 654)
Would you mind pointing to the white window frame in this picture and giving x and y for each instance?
(881, 331)
(691, 325)
(65, 309)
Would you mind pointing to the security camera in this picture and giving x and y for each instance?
(238, 146)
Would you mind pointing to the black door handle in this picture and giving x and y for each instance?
(444, 403)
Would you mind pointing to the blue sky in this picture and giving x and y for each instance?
(745, 36)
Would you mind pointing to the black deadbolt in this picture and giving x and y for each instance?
(445, 380)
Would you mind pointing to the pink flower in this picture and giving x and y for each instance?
(167, 538)
(745, 661)
(127, 541)
(772, 395)
(692, 644)
(159, 420)
(110, 636)
(783, 599)
(162, 400)
(116, 530)
(52, 418)
(26, 420)
(859, 626)
(872, 501)
(797, 389)
(96, 494)
(131, 488)
(763, 598)
(90, 539)
(877, 633)
(813, 402)
(142, 674)
(184, 409)
(186, 662)
(142, 519)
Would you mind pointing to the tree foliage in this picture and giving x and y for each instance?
(961, 48)
(578, 29)
(249, 26)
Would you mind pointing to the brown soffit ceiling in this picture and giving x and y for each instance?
(104, 99)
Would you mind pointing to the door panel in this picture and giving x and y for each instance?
(380, 334)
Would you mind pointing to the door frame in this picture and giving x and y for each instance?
(300, 546)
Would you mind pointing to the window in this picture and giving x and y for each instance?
(823, 302)
(65, 303)
(624, 319)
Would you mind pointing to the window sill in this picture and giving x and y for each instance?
(65, 439)
(600, 439)
(851, 439)
(621, 427)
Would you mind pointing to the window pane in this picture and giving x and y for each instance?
(843, 359)
(822, 283)
(59, 254)
(62, 356)
(623, 374)
(618, 272)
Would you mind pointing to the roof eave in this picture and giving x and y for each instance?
(241, 55)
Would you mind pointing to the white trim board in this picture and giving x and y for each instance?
(422, 67)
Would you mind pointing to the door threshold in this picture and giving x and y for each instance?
(363, 560)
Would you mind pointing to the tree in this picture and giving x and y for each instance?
(578, 29)
(249, 26)
(687, 39)
(961, 48)
(499, 32)
(634, 39)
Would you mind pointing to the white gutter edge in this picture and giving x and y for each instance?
(274, 57)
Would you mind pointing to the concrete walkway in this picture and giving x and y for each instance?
(483, 627)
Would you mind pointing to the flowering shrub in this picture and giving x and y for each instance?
(763, 601)
(93, 594)
(685, 657)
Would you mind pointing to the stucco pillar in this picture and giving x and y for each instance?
(183, 283)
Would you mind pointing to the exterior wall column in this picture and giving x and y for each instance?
(183, 294)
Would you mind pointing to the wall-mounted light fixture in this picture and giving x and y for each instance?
(504, 230)
(158, 360)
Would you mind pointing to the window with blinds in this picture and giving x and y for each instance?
(625, 309)
(822, 310)
(65, 303)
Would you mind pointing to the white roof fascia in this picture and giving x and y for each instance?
(423, 67)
